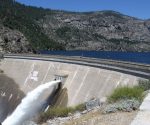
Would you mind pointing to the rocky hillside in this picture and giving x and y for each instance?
(13, 41)
(105, 30)
(61, 30)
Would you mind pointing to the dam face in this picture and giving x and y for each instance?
(81, 82)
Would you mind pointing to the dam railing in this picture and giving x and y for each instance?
(137, 69)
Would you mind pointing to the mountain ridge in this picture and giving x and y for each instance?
(46, 29)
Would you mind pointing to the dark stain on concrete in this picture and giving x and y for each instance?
(61, 98)
(10, 96)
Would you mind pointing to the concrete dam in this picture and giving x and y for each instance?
(82, 79)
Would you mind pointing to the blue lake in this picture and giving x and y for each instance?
(140, 57)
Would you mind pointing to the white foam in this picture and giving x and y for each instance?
(29, 105)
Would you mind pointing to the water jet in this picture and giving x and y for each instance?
(29, 106)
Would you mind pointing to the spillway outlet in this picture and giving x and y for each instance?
(62, 78)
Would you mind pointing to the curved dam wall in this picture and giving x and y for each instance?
(81, 82)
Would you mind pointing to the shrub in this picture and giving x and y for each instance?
(62, 32)
(126, 93)
(80, 107)
(55, 112)
(122, 105)
(144, 84)
(60, 112)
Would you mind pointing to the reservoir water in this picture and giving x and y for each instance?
(139, 57)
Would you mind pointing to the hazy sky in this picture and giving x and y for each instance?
(136, 8)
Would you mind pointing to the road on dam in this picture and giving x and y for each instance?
(142, 70)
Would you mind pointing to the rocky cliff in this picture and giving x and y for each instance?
(26, 28)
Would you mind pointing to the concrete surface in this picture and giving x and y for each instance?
(137, 69)
(82, 83)
(143, 116)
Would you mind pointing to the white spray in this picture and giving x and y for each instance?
(28, 106)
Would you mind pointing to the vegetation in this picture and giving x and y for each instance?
(98, 36)
(24, 18)
(62, 32)
(113, 13)
(126, 92)
(126, 105)
(60, 112)
(119, 41)
(145, 84)
(127, 98)
(66, 32)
